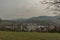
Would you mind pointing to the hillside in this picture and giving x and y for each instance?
(39, 19)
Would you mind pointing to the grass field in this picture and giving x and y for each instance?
(28, 36)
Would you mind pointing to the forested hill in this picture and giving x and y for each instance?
(40, 19)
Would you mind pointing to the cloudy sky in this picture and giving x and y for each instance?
(14, 9)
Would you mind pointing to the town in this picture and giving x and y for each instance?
(28, 27)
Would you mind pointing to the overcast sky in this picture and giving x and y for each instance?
(14, 9)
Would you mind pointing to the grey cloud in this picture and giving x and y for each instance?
(11, 9)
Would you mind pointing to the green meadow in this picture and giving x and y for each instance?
(28, 36)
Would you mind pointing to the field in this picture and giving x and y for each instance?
(28, 36)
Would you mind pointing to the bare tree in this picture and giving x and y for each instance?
(53, 5)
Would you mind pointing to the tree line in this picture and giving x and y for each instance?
(29, 28)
